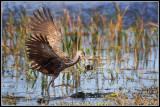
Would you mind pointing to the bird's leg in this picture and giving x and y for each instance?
(48, 88)
(65, 85)
(49, 85)
(53, 78)
(52, 83)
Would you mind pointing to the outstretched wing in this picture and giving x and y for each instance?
(44, 25)
(42, 57)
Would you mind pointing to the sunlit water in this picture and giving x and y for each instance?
(97, 80)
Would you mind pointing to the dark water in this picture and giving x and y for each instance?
(150, 12)
(100, 79)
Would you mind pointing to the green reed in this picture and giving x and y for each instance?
(102, 28)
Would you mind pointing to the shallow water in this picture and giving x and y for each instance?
(108, 74)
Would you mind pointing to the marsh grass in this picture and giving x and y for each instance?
(101, 28)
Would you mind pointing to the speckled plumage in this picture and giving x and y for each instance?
(42, 56)
(45, 26)
(44, 48)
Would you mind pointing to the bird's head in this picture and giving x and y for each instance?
(82, 55)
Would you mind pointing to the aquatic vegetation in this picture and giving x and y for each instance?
(119, 56)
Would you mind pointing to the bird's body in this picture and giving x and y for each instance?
(44, 48)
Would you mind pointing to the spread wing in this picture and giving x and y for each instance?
(42, 57)
(44, 25)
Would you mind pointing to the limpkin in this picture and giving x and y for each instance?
(44, 47)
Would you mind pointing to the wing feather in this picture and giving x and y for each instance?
(45, 14)
(43, 58)
(39, 19)
(44, 25)
(41, 15)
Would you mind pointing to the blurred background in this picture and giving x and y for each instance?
(120, 40)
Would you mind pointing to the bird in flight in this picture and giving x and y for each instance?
(44, 47)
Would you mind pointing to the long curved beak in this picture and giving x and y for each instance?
(84, 58)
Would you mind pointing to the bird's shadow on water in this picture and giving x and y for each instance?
(78, 96)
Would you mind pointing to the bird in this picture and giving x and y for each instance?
(44, 47)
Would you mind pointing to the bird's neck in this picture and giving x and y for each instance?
(74, 61)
